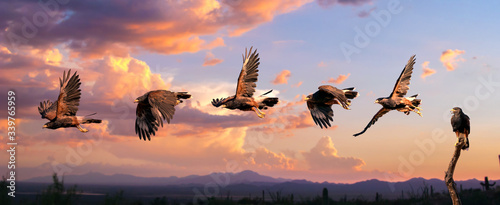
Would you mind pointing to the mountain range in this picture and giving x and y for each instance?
(251, 183)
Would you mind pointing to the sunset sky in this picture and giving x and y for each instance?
(122, 49)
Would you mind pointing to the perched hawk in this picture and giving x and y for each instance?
(154, 106)
(243, 99)
(320, 103)
(62, 113)
(461, 124)
(397, 100)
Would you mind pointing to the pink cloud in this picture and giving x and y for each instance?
(339, 80)
(450, 58)
(210, 60)
(324, 156)
(282, 77)
(426, 70)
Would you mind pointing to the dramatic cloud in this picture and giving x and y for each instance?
(328, 3)
(449, 58)
(269, 160)
(426, 70)
(210, 60)
(119, 27)
(324, 156)
(339, 80)
(282, 77)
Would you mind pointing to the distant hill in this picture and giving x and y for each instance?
(251, 183)
(95, 178)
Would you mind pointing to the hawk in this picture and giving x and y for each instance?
(154, 106)
(320, 103)
(62, 113)
(397, 100)
(461, 124)
(245, 88)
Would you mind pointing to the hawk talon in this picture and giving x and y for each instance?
(82, 129)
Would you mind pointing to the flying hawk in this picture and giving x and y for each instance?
(154, 106)
(397, 101)
(243, 99)
(62, 113)
(320, 103)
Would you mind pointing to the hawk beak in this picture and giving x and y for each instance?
(136, 101)
(376, 101)
(307, 98)
(44, 126)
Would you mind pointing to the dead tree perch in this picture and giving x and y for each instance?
(448, 178)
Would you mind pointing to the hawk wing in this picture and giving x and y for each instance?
(322, 114)
(403, 82)
(150, 116)
(69, 95)
(145, 122)
(48, 110)
(248, 75)
(379, 114)
(335, 92)
(217, 102)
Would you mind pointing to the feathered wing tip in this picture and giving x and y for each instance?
(217, 102)
(183, 95)
(44, 106)
(270, 102)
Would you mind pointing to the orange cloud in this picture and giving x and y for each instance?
(167, 27)
(269, 160)
(282, 77)
(210, 60)
(339, 80)
(449, 58)
(426, 70)
(324, 156)
(297, 85)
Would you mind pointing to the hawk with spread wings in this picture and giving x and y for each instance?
(243, 99)
(62, 113)
(461, 124)
(154, 106)
(320, 103)
(397, 100)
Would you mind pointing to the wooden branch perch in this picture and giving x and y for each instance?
(450, 183)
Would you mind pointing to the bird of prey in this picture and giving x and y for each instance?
(320, 103)
(62, 113)
(154, 106)
(397, 100)
(461, 124)
(243, 99)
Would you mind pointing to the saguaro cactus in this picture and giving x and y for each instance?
(325, 196)
(486, 185)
